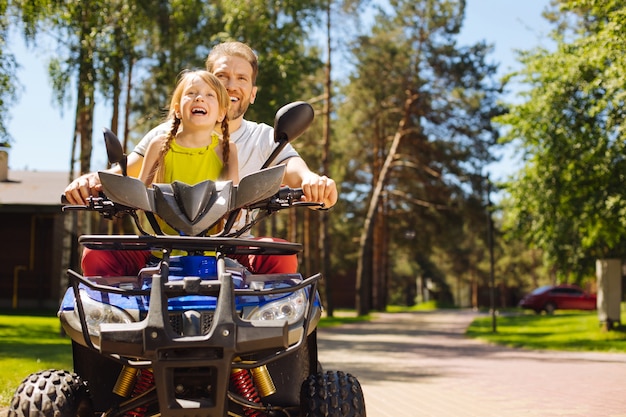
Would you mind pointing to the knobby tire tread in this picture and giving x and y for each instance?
(332, 394)
(51, 393)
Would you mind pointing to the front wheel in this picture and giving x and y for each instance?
(333, 393)
(51, 393)
(549, 308)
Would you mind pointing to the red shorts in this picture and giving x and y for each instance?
(109, 263)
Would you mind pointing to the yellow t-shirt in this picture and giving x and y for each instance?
(191, 166)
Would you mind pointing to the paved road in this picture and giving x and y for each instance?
(420, 364)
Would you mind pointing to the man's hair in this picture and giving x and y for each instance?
(234, 49)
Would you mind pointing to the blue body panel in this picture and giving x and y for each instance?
(204, 267)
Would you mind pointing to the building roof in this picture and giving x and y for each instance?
(33, 188)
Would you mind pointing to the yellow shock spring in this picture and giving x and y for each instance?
(263, 381)
(125, 382)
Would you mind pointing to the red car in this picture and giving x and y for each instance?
(565, 297)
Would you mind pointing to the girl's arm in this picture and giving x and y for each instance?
(233, 164)
(153, 152)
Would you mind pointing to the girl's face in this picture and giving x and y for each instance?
(199, 105)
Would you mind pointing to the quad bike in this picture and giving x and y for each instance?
(196, 334)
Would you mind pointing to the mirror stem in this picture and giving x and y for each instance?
(282, 142)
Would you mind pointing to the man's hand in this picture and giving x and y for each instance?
(319, 189)
(82, 187)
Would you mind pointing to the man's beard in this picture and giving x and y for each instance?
(236, 112)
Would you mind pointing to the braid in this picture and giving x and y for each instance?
(156, 175)
(171, 136)
(225, 144)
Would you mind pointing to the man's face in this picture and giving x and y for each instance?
(236, 75)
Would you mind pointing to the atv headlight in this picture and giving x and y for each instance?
(97, 313)
(290, 308)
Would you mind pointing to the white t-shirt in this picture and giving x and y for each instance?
(255, 143)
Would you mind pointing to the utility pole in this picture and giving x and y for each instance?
(492, 279)
(324, 240)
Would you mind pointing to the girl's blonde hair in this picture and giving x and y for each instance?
(224, 103)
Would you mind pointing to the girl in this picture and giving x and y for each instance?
(192, 151)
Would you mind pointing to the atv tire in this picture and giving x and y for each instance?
(51, 393)
(331, 394)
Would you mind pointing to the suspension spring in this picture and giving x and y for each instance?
(125, 381)
(242, 380)
(145, 381)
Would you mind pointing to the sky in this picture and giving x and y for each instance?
(42, 131)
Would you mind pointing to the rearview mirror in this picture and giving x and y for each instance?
(290, 121)
(115, 152)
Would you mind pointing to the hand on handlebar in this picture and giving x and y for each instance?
(83, 187)
(320, 189)
(285, 197)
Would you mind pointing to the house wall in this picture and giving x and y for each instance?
(30, 262)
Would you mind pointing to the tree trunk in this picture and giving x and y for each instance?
(129, 85)
(363, 281)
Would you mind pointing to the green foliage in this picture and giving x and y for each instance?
(568, 199)
(8, 69)
(276, 33)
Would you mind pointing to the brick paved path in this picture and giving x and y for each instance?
(420, 364)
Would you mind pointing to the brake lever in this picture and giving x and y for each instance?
(321, 206)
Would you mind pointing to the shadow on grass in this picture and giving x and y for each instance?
(52, 352)
(28, 312)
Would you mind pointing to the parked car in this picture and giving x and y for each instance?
(565, 297)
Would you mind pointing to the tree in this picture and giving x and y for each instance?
(436, 99)
(276, 33)
(8, 67)
(568, 199)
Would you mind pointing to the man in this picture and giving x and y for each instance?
(236, 65)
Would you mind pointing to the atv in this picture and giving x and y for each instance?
(196, 334)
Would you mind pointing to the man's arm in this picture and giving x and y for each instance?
(316, 188)
(89, 184)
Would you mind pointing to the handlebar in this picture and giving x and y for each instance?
(284, 198)
(107, 208)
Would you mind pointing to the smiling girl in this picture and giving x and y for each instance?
(193, 151)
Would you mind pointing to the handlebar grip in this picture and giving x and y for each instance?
(292, 194)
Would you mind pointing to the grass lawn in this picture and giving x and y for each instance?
(29, 342)
(565, 330)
